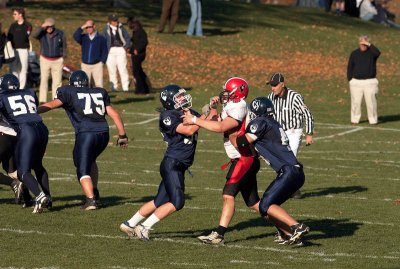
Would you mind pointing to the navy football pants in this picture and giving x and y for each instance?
(172, 186)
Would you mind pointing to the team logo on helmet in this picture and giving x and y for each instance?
(163, 95)
(256, 104)
(167, 121)
(253, 128)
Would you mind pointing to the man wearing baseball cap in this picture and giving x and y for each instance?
(291, 113)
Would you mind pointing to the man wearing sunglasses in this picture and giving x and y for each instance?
(94, 51)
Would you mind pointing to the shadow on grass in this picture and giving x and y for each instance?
(319, 229)
(135, 99)
(333, 190)
(78, 200)
(388, 118)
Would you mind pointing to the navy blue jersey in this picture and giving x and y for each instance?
(85, 107)
(19, 106)
(271, 142)
(180, 147)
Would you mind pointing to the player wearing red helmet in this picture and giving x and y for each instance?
(244, 166)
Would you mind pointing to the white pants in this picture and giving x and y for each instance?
(294, 136)
(95, 71)
(19, 67)
(117, 60)
(369, 89)
(54, 68)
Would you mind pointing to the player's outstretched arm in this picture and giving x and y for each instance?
(123, 139)
(214, 126)
(49, 106)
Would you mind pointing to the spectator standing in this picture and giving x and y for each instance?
(361, 74)
(194, 26)
(170, 9)
(3, 41)
(118, 42)
(94, 51)
(138, 55)
(291, 113)
(53, 49)
(18, 34)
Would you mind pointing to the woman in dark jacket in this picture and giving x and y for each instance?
(138, 54)
(3, 40)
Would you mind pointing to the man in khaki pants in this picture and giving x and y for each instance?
(53, 47)
(361, 73)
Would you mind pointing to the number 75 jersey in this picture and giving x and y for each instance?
(19, 107)
(85, 107)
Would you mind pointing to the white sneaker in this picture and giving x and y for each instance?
(213, 238)
(126, 228)
(142, 232)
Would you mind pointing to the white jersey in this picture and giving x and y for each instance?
(238, 112)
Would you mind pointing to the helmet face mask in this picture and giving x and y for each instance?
(182, 100)
(175, 97)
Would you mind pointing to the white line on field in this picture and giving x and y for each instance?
(189, 264)
(321, 255)
(364, 127)
(254, 262)
(338, 134)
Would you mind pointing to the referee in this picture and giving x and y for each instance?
(291, 113)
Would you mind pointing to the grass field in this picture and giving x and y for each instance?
(352, 173)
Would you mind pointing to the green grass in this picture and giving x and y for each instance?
(352, 178)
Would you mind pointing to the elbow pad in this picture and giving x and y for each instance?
(242, 141)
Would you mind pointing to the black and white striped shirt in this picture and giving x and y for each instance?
(291, 112)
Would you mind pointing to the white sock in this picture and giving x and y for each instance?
(150, 221)
(135, 219)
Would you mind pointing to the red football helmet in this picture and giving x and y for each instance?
(235, 89)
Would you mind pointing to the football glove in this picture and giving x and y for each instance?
(122, 141)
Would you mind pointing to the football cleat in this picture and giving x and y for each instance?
(299, 230)
(141, 232)
(126, 228)
(213, 238)
(90, 204)
(18, 189)
(280, 237)
(40, 203)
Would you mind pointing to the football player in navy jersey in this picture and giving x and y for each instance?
(86, 108)
(19, 107)
(181, 145)
(271, 142)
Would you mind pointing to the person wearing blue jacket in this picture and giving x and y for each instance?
(94, 51)
(53, 50)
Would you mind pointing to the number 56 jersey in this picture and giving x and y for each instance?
(85, 107)
(19, 107)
